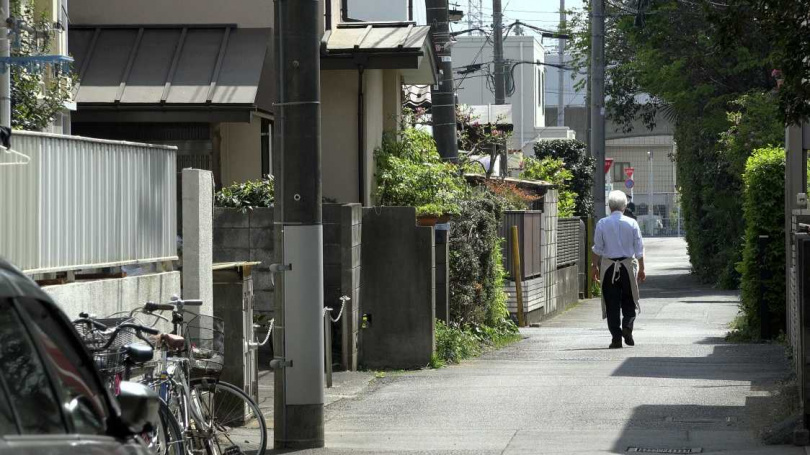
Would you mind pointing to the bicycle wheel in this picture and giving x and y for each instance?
(234, 421)
(167, 439)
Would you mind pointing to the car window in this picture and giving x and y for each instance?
(29, 389)
(83, 400)
(8, 425)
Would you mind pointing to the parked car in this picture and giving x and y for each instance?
(52, 400)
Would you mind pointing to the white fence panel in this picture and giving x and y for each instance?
(87, 203)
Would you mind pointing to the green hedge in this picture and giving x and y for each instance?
(713, 146)
(247, 195)
(764, 213)
(475, 284)
(574, 154)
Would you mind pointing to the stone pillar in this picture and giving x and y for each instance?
(198, 208)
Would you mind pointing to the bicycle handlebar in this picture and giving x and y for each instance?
(152, 306)
(138, 327)
(192, 302)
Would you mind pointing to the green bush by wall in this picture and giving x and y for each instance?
(763, 208)
(574, 154)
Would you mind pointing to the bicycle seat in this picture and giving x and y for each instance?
(173, 342)
(138, 352)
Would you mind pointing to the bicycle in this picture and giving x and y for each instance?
(216, 418)
(115, 355)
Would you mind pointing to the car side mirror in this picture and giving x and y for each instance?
(139, 407)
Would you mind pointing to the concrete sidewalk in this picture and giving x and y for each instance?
(560, 390)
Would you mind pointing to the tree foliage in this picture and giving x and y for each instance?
(693, 63)
(554, 171)
(36, 96)
(574, 155)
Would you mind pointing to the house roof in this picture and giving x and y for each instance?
(416, 96)
(210, 65)
(381, 45)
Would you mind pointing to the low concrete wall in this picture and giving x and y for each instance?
(567, 279)
(398, 289)
(248, 237)
(105, 297)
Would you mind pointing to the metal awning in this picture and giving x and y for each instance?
(381, 45)
(172, 66)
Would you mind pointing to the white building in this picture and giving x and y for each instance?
(526, 84)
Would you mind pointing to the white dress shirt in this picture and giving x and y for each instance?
(618, 236)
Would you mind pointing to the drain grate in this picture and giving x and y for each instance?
(651, 450)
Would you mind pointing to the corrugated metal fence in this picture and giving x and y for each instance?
(87, 203)
(569, 241)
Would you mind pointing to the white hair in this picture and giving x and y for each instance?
(617, 200)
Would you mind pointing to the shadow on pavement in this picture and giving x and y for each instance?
(756, 364)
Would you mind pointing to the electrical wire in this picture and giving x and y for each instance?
(474, 61)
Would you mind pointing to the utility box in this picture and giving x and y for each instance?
(233, 303)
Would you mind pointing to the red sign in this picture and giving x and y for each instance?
(628, 171)
(608, 164)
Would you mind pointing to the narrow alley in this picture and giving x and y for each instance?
(560, 390)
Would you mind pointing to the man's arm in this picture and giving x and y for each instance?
(641, 274)
(595, 266)
(638, 246)
(598, 249)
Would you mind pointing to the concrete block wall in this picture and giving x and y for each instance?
(342, 259)
(247, 237)
(398, 289)
(548, 245)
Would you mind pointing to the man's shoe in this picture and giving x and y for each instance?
(627, 333)
(616, 344)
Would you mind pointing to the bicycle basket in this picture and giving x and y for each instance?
(109, 361)
(206, 337)
(96, 339)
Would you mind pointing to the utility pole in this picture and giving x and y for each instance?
(497, 42)
(597, 102)
(561, 80)
(298, 335)
(443, 96)
(5, 75)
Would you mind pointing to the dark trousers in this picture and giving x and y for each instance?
(618, 301)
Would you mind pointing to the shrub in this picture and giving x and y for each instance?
(411, 173)
(474, 242)
(764, 213)
(514, 197)
(574, 155)
(553, 170)
(454, 344)
(247, 195)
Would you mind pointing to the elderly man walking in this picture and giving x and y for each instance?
(619, 256)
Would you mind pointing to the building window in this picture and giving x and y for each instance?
(618, 171)
(541, 88)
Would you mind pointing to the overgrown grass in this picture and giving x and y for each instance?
(454, 344)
